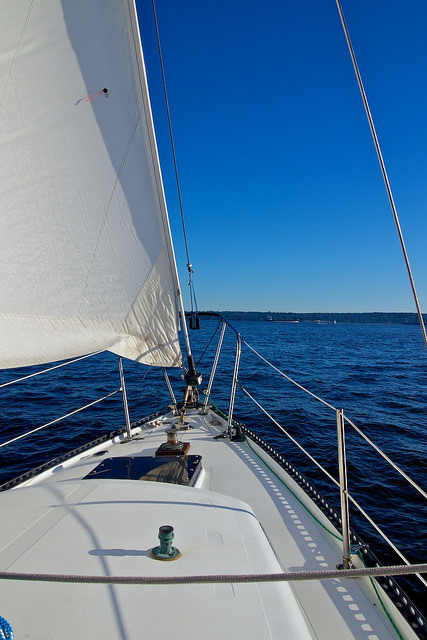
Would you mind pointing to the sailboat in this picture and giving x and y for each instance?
(185, 523)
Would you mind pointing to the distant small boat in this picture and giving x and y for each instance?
(270, 319)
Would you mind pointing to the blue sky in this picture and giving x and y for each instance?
(283, 197)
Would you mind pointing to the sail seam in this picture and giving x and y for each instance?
(107, 209)
(15, 57)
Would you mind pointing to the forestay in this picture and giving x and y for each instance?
(86, 256)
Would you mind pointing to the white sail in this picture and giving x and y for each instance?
(86, 258)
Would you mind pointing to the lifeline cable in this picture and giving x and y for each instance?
(215, 579)
(334, 481)
(68, 415)
(57, 366)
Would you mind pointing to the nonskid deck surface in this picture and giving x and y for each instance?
(67, 524)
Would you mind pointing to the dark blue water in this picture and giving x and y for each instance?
(376, 373)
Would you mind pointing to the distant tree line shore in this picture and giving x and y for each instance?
(366, 318)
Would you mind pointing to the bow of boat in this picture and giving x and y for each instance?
(93, 520)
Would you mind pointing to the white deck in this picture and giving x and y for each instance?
(107, 527)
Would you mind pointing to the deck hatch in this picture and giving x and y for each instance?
(174, 470)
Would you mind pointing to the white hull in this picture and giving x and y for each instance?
(59, 523)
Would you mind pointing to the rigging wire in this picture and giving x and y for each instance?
(57, 366)
(383, 168)
(208, 344)
(189, 265)
(68, 415)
